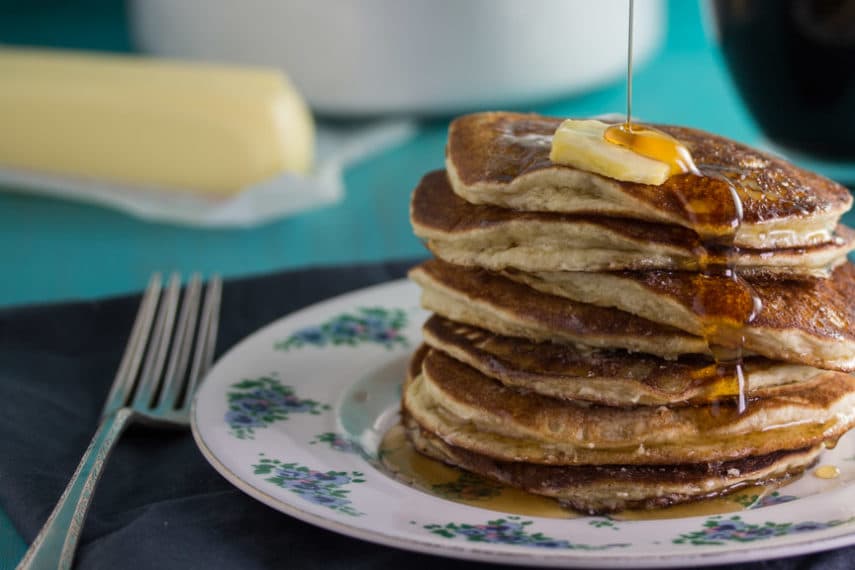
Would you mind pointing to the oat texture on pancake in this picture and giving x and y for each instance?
(614, 344)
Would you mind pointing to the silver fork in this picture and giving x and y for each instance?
(152, 396)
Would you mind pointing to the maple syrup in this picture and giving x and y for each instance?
(745, 498)
(723, 300)
(827, 472)
(402, 461)
(653, 144)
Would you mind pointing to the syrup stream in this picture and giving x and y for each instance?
(629, 63)
(724, 309)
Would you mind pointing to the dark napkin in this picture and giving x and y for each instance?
(159, 504)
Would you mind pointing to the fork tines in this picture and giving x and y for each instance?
(159, 340)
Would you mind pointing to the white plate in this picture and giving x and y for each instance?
(293, 416)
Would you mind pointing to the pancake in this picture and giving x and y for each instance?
(496, 238)
(499, 304)
(467, 409)
(503, 159)
(607, 377)
(809, 322)
(608, 488)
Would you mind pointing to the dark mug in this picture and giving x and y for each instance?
(793, 62)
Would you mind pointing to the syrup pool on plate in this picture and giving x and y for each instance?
(827, 472)
(399, 458)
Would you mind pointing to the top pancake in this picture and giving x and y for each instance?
(503, 159)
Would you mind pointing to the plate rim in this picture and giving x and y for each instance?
(749, 553)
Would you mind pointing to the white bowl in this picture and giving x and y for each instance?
(365, 57)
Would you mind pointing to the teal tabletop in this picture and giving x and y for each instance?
(52, 250)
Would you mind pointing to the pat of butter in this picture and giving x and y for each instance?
(582, 144)
(201, 128)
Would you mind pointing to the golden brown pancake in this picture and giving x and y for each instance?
(499, 304)
(808, 322)
(496, 238)
(606, 377)
(503, 159)
(610, 487)
(598, 489)
(469, 410)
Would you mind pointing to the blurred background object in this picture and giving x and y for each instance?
(371, 57)
(167, 140)
(127, 119)
(794, 64)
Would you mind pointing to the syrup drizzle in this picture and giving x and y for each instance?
(401, 461)
(653, 144)
(629, 26)
(723, 300)
(827, 472)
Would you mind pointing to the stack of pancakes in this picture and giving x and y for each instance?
(568, 354)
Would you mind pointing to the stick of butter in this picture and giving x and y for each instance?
(207, 129)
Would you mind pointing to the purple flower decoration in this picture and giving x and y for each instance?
(339, 443)
(321, 488)
(808, 526)
(717, 531)
(259, 402)
(375, 325)
(511, 531)
(254, 406)
(239, 419)
(311, 335)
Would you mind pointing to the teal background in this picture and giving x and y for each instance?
(53, 250)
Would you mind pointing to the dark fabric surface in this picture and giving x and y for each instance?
(159, 504)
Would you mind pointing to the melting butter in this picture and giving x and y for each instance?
(582, 145)
(653, 144)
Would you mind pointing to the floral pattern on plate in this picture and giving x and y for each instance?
(337, 442)
(718, 530)
(604, 523)
(377, 325)
(321, 488)
(259, 402)
(511, 530)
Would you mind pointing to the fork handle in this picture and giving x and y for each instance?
(55, 544)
